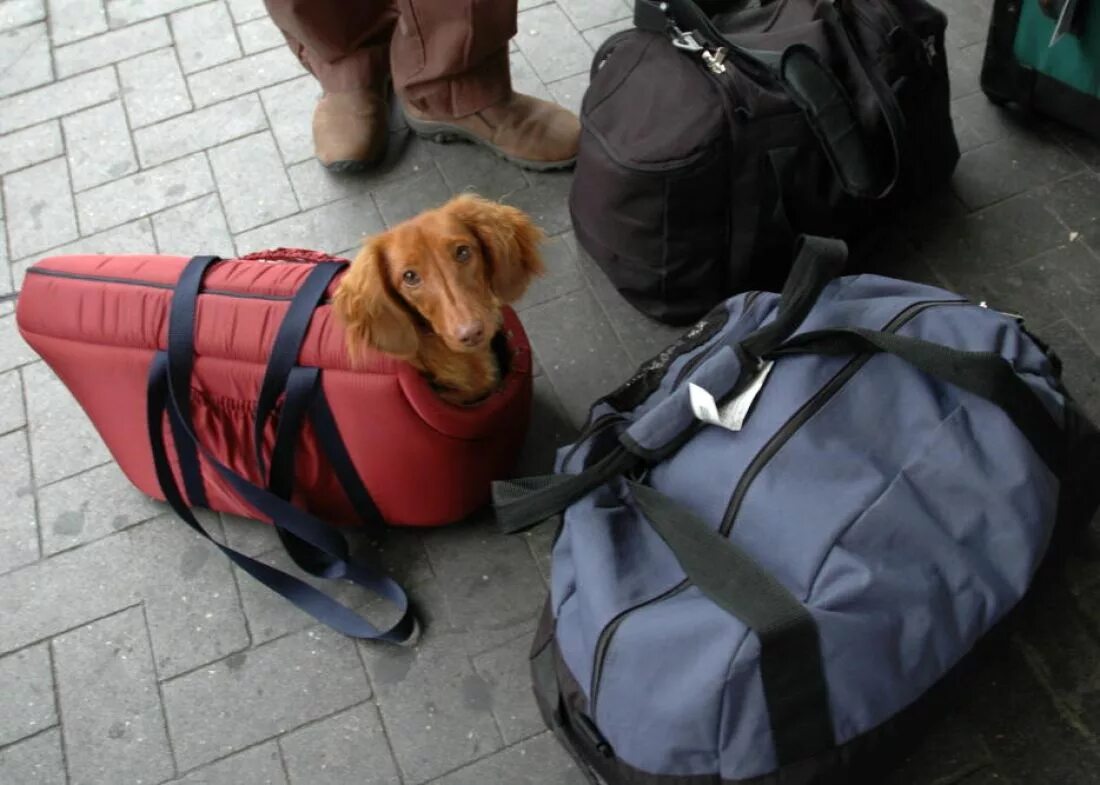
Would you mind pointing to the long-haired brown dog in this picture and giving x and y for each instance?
(430, 291)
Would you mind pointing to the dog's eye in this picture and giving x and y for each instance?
(411, 278)
(463, 253)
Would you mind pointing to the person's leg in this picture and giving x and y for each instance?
(450, 69)
(345, 45)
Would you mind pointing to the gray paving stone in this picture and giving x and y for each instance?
(1075, 201)
(551, 43)
(18, 529)
(545, 201)
(578, 350)
(63, 439)
(16, 13)
(24, 59)
(550, 428)
(507, 671)
(244, 10)
(194, 227)
(134, 237)
(978, 122)
(35, 761)
(290, 108)
(586, 14)
(107, 689)
(569, 92)
(1081, 365)
(597, 35)
(1007, 167)
(190, 597)
(524, 78)
(13, 349)
(315, 185)
(540, 761)
(98, 144)
(57, 99)
(12, 413)
(435, 706)
(42, 209)
(992, 239)
(143, 193)
(125, 12)
(1087, 150)
(74, 19)
(30, 146)
(252, 538)
(204, 36)
(243, 76)
(153, 87)
(260, 35)
(112, 47)
(259, 765)
(540, 540)
(238, 167)
(562, 276)
(250, 696)
(404, 199)
(26, 694)
(964, 67)
(89, 506)
(967, 22)
(492, 587)
(472, 168)
(347, 747)
(331, 227)
(199, 130)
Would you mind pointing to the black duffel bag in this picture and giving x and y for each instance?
(711, 139)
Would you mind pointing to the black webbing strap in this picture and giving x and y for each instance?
(161, 400)
(521, 504)
(181, 335)
(286, 347)
(817, 261)
(791, 666)
(986, 374)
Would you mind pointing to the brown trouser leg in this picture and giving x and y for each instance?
(449, 58)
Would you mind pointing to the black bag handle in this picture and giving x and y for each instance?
(814, 88)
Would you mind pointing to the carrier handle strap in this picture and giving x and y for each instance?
(811, 84)
(181, 334)
(985, 374)
(818, 260)
(287, 346)
(791, 666)
(161, 400)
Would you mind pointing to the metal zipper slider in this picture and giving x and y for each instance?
(716, 61)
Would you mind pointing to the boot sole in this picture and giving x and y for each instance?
(444, 133)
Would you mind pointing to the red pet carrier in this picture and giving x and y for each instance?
(245, 363)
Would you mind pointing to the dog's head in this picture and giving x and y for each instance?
(447, 271)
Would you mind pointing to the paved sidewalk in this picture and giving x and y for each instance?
(131, 652)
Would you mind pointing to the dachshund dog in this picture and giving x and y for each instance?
(430, 291)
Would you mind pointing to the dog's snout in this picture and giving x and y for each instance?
(471, 333)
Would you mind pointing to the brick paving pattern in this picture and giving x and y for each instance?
(132, 652)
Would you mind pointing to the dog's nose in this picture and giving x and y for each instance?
(472, 333)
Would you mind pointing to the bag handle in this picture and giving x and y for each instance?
(818, 260)
(791, 666)
(814, 88)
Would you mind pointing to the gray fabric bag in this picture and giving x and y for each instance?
(790, 525)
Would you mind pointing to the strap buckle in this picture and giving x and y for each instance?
(685, 40)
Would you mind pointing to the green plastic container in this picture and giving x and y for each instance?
(1059, 78)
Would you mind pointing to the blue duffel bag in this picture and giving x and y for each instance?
(790, 525)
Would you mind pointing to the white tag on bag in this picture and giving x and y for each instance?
(733, 413)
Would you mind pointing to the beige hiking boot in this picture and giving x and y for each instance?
(529, 132)
(350, 130)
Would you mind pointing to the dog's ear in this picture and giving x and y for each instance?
(369, 307)
(509, 239)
